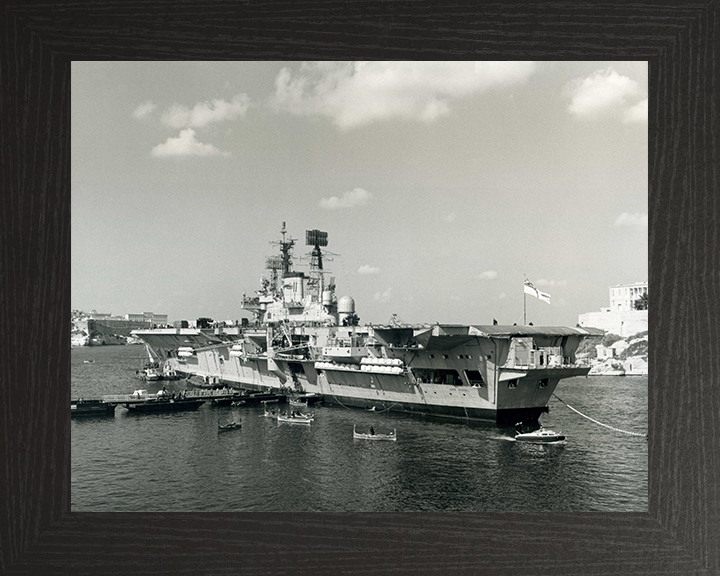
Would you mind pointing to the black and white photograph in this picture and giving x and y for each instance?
(377, 286)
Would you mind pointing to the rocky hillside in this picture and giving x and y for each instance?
(637, 346)
(615, 355)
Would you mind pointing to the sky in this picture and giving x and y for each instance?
(442, 185)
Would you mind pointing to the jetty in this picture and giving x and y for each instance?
(140, 396)
(141, 400)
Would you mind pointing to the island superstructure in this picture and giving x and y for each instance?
(306, 340)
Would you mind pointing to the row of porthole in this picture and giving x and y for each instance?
(513, 383)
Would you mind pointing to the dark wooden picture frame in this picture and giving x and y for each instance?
(39, 535)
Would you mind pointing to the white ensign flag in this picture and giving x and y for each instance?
(530, 289)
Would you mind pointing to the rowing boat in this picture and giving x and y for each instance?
(295, 418)
(392, 436)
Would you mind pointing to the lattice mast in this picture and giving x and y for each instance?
(316, 238)
(281, 266)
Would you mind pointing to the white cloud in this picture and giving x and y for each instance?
(186, 145)
(367, 269)
(637, 220)
(487, 275)
(350, 199)
(450, 217)
(602, 93)
(543, 282)
(384, 297)
(637, 113)
(144, 109)
(501, 296)
(204, 113)
(355, 93)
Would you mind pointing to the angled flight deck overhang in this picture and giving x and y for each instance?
(528, 331)
(446, 336)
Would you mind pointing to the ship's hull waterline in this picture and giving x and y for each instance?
(431, 382)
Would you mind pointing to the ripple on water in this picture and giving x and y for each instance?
(179, 462)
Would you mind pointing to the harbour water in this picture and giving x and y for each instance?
(180, 462)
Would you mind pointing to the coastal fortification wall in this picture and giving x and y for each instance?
(111, 327)
(623, 324)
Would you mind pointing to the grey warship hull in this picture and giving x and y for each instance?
(304, 340)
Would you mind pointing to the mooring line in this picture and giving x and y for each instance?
(341, 404)
(388, 408)
(376, 411)
(600, 423)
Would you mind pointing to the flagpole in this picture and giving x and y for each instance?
(524, 302)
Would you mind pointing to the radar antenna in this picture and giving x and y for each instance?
(316, 238)
(274, 264)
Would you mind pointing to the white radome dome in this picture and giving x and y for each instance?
(346, 305)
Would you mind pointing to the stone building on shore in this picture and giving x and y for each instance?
(621, 317)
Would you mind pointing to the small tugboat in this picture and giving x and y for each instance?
(392, 436)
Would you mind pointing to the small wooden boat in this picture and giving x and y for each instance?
(392, 436)
(297, 403)
(296, 418)
(540, 436)
(228, 426)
